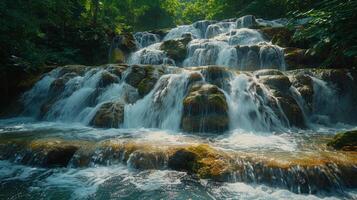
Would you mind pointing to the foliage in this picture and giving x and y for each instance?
(49, 32)
(331, 28)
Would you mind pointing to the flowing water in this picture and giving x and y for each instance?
(273, 154)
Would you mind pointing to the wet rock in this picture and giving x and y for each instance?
(276, 82)
(205, 110)
(109, 115)
(297, 58)
(202, 160)
(304, 85)
(266, 72)
(135, 76)
(117, 70)
(291, 110)
(50, 152)
(247, 21)
(143, 78)
(107, 79)
(121, 46)
(176, 49)
(280, 87)
(280, 36)
(145, 160)
(217, 75)
(346, 141)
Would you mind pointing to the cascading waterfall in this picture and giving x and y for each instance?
(231, 113)
(162, 107)
(227, 43)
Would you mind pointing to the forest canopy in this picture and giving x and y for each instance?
(58, 32)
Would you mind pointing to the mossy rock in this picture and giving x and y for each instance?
(205, 110)
(109, 115)
(277, 82)
(146, 85)
(145, 160)
(346, 141)
(281, 36)
(51, 152)
(297, 58)
(206, 162)
(176, 49)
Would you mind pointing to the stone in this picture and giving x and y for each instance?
(145, 160)
(176, 49)
(202, 160)
(280, 36)
(205, 110)
(109, 115)
(346, 141)
(277, 82)
(107, 79)
(297, 58)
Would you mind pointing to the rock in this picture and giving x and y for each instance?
(280, 85)
(276, 82)
(297, 58)
(217, 75)
(280, 36)
(109, 115)
(266, 72)
(202, 160)
(304, 84)
(247, 21)
(291, 110)
(145, 160)
(107, 79)
(136, 75)
(176, 49)
(346, 141)
(50, 152)
(121, 46)
(143, 78)
(117, 69)
(205, 110)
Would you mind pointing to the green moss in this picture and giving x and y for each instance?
(345, 141)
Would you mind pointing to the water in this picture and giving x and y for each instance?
(273, 146)
(227, 43)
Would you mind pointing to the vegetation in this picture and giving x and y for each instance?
(57, 32)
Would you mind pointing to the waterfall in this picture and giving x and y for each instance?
(162, 107)
(230, 43)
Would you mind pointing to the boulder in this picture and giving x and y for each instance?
(346, 141)
(203, 161)
(143, 78)
(276, 82)
(107, 79)
(50, 152)
(304, 85)
(205, 110)
(145, 160)
(280, 85)
(121, 46)
(247, 21)
(109, 115)
(280, 36)
(266, 72)
(176, 49)
(217, 75)
(297, 58)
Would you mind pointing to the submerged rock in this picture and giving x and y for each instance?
(205, 110)
(109, 115)
(176, 49)
(346, 141)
